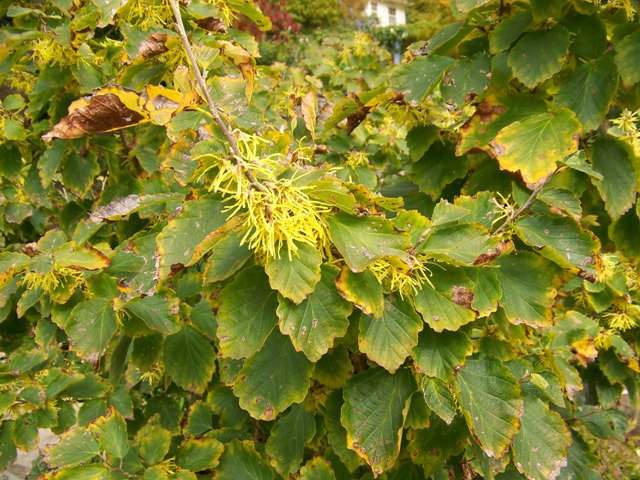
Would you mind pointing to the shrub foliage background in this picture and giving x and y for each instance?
(346, 269)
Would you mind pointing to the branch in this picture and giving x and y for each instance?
(226, 131)
(527, 204)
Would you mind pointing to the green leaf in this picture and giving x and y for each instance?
(540, 447)
(589, 35)
(467, 79)
(200, 454)
(560, 239)
(318, 468)
(189, 359)
(627, 58)
(490, 398)
(159, 313)
(199, 419)
(227, 256)
(274, 378)
(578, 161)
(363, 240)
(240, 461)
(561, 199)
(486, 290)
(494, 113)
(8, 451)
(388, 340)
(582, 463)
(362, 289)
(25, 433)
(431, 447)
(79, 171)
(551, 47)
(465, 6)
(440, 355)
(534, 145)
(92, 326)
(317, 321)
(416, 79)
(508, 31)
(76, 446)
(439, 398)
(462, 243)
(619, 183)
(375, 408)
(247, 313)
(438, 168)
(153, 443)
(297, 277)
(589, 91)
(527, 288)
(178, 241)
(112, 434)
(419, 140)
(288, 438)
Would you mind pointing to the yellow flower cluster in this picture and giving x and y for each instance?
(278, 212)
(57, 278)
(398, 276)
(47, 51)
(145, 14)
(626, 128)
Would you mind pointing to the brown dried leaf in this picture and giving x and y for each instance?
(154, 45)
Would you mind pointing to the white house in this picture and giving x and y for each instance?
(389, 12)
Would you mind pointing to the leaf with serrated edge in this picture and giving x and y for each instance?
(439, 312)
(439, 398)
(189, 359)
(297, 277)
(178, 241)
(363, 240)
(200, 454)
(527, 283)
(375, 407)
(439, 355)
(534, 145)
(486, 290)
(158, 312)
(153, 443)
(112, 434)
(461, 243)
(540, 447)
(274, 378)
(317, 321)
(92, 326)
(490, 399)
(561, 240)
(619, 184)
(76, 446)
(363, 290)
(388, 340)
(288, 438)
(247, 313)
(240, 461)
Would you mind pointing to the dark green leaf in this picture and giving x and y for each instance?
(439, 355)
(92, 326)
(288, 438)
(439, 398)
(240, 461)
(189, 359)
(416, 79)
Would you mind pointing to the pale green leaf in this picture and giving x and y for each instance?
(375, 407)
(388, 340)
(362, 289)
(295, 278)
(288, 438)
(158, 312)
(111, 432)
(178, 240)
(560, 239)
(153, 443)
(416, 79)
(490, 398)
(76, 446)
(92, 326)
(551, 48)
(83, 257)
(462, 243)
(534, 145)
(200, 454)
(540, 447)
(317, 321)
(363, 240)
(439, 398)
(247, 313)
(189, 359)
(273, 379)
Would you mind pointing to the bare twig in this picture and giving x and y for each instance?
(226, 131)
(527, 204)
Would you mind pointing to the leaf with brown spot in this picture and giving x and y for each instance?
(212, 24)
(154, 45)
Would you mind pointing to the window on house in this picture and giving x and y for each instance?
(392, 16)
(374, 8)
